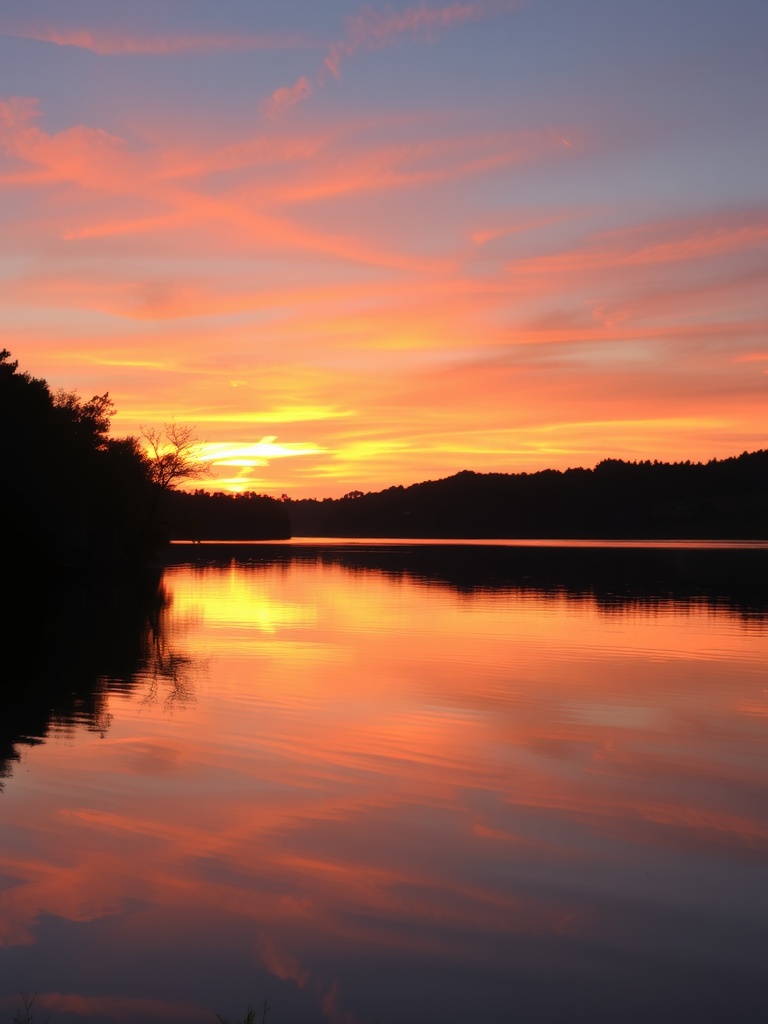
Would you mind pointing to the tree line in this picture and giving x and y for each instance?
(72, 494)
(726, 498)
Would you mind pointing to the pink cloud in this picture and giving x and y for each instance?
(521, 224)
(95, 160)
(107, 44)
(665, 242)
(413, 164)
(284, 98)
(281, 962)
(90, 156)
(371, 29)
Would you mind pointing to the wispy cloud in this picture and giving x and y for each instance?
(107, 165)
(89, 156)
(354, 168)
(108, 44)
(371, 29)
(284, 98)
(255, 453)
(524, 222)
(666, 242)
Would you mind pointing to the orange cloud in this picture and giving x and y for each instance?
(357, 168)
(293, 169)
(96, 160)
(90, 156)
(357, 267)
(666, 242)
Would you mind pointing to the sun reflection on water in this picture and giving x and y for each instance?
(375, 776)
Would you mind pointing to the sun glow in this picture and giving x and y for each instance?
(376, 279)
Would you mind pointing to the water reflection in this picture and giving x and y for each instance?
(67, 646)
(733, 578)
(401, 797)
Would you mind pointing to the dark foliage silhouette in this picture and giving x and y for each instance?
(68, 492)
(72, 496)
(219, 516)
(616, 499)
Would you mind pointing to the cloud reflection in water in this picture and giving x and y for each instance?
(387, 798)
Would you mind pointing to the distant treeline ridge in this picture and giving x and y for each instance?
(71, 494)
(725, 498)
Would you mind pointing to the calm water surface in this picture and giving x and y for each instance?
(371, 794)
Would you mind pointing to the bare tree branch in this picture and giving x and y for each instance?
(174, 454)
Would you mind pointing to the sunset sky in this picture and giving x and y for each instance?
(356, 245)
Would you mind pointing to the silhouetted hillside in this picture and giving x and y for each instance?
(720, 498)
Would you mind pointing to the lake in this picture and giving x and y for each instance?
(449, 783)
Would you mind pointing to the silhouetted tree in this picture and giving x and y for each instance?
(68, 492)
(71, 494)
(174, 454)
